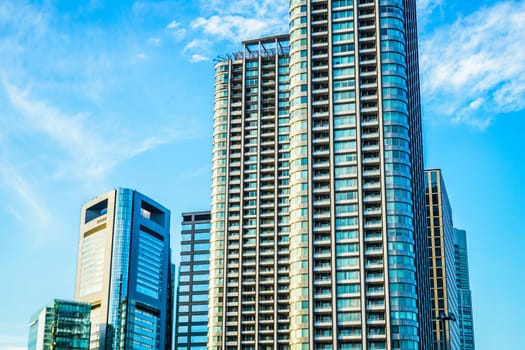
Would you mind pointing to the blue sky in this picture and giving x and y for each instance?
(100, 94)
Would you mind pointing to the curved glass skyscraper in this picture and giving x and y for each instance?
(318, 172)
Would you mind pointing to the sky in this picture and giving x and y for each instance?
(97, 94)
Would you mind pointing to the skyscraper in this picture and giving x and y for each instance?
(249, 298)
(191, 312)
(61, 324)
(464, 315)
(442, 263)
(318, 236)
(123, 270)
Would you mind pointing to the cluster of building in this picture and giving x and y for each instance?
(325, 231)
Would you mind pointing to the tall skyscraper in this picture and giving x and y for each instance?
(442, 263)
(123, 270)
(191, 313)
(249, 296)
(318, 236)
(464, 316)
(61, 324)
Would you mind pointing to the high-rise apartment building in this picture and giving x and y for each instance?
(318, 236)
(61, 324)
(249, 296)
(442, 262)
(123, 270)
(191, 312)
(464, 315)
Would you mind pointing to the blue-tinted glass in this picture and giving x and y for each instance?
(201, 257)
(199, 297)
(203, 226)
(200, 236)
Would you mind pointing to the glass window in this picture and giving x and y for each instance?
(201, 257)
(199, 297)
(201, 267)
(202, 236)
(202, 246)
(203, 226)
(199, 329)
(199, 318)
(201, 277)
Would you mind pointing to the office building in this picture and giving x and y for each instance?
(318, 236)
(61, 324)
(442, 262)
(464, 315)
(123, 270)
(191, 313)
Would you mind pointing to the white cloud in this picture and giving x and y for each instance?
(242, 19)
(426, 7)
(197, 50)
(198, 58)
(173, 25)
(474, 69)
(197, 44)
(176, 30)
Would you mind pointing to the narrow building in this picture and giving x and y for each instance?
(464, 316)
(191, 312)
(442, 262)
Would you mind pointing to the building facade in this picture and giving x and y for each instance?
(191, 312)
(249, 298)
(318, 236)
(123, 270)
(442, 261)
(464, 315)
(61, 324)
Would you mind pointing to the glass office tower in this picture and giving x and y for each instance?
(464, 315)
(61, 324)
(318, 227)
(442, 261)
(191, 312)
(123, 270)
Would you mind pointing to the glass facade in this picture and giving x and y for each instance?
(132, 297)
(464, 316)
(318, 236)
(191, 321)
(60, 325)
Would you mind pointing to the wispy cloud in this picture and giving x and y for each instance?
(176, 30)
(154, 41)
(474, 69)
(198, 50)
(25, 201)
(21, 16)
(426, 7)
(242, 19)
(85, 149)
